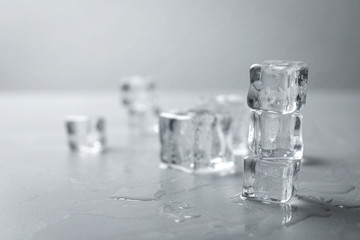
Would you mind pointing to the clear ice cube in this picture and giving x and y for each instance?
(278, 86)
(210, 148)
(139, 98)
(176, 132)
(232, 105)
(194, 141)
(273, 136)
(85, 134)
(270, 180)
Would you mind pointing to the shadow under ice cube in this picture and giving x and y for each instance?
(269, 180)
(85, 134)
(278, 86)
(194, 141)
(273, 135)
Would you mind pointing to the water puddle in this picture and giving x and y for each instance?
(138, 196)
(274, 216)
(347, 206)
(178, 211)
(181, 205)
(320, 200)
(329, 194)
(237, 199)
(324, 188)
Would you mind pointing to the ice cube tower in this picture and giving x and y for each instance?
(276, 95)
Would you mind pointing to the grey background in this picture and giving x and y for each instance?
(88, 44)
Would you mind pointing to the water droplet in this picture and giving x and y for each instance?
(185, 206)
(347, 206)
(191, 215)
(131, 199)
(317, 199)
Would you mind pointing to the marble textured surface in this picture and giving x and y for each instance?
(48, 193)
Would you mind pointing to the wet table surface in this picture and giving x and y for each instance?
(48, 193)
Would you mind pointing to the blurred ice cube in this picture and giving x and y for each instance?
(85, 134)
(138, 97)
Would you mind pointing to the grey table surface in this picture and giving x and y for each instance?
(48, 193)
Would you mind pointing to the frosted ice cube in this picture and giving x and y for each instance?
(270, 180)
(273, 135)
(138, 97)
(193, 141)
(85, 134)
(278, 86)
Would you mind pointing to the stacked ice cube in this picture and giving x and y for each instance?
(276, 95)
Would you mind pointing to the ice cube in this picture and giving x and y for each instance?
(193, 141)
(232, 105)
(210, 148)
(137, 92)
(270, 180)
(278, 86)
(85, 134)
(235, 106)
(138, 97)
(273, 135)
(176, 132)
